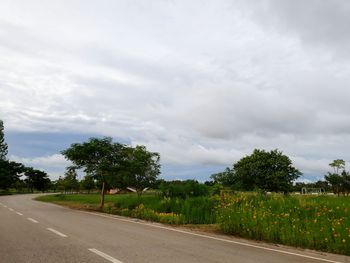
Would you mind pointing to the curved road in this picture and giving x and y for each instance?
(32, 231)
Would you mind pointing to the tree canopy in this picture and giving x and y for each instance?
(267, 171)
(114, 164)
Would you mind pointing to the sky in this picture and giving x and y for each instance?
(201, 82)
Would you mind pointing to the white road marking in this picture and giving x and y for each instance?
(18, 213)
(56, 232)
(10, 209)
(105, 256)
(33, 220)
(214, 238)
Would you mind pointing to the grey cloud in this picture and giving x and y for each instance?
(317, 23)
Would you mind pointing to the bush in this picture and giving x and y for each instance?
(183, 189)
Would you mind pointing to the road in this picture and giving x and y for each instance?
(32, 231)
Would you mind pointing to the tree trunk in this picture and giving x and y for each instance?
(102, 195)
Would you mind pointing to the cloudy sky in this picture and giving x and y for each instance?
(201, 82)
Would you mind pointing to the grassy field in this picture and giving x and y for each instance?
(315, 222)
(195, 210)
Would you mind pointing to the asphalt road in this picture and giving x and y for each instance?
(32, 231)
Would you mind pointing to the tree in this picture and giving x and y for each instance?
(339, 179)
(143, 167)
(267, 171)
(10, 173)
(336, 181)
(37, 179)
(3, 144)
(70, 180)
(337, 165)
(99, 157)
(225, 178)
(88, 183)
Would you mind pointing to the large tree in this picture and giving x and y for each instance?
(268, 171)
(98, 157)
(10, 173)
(143, 167)
(37, 179)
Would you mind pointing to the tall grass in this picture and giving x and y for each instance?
(320, 222)
(193, 210)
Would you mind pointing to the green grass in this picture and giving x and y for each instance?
(194, 210)
(316, 222)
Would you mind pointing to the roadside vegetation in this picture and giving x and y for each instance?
(315, 222)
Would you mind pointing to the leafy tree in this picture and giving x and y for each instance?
(337, 165)
(336, 181)
(3, 144)
(37, 179)
(70, 180)
(225, 178)
(10, 173)
(340, 178)
(99, 157)
(88, 183)
(268, 171)
(59, 184)
(143, 168)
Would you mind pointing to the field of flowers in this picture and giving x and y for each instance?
(315, 222)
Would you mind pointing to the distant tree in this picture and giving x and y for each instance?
(143, 168)
(88, 183)
(99, 157)
(37, 179)
(10, 173)
(346, 182)
(70, 180)
(340, 178)
(322, 184)
(59, 184)
(336, 182)
(268, 171)
(3, 144)
(225, 178)
(338, 165)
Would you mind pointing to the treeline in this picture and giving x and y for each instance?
(15, 175)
